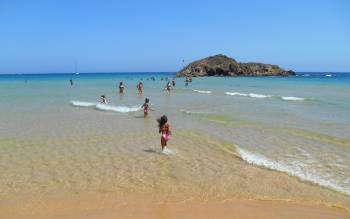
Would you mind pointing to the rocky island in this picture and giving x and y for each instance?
(221, 65)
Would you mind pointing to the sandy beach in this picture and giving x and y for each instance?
(108, 206)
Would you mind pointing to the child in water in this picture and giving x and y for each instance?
(146, 107)
(140, 87)
(103, 99)
(164, 129)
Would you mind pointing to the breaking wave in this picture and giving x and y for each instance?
(120, 109)
(105, 107)
(294, 170)
(83, 104)
(203, 91)
(292, 98)
(253, 95)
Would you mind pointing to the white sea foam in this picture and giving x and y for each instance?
(305, 75)
(292, 98)
(293, 170)
(203, 91)
(328, 75)
(253, 95)
(83, 104)
(236, 94)
(258, 95)
(167, 151)
(120, 109)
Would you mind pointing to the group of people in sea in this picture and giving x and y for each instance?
(163, 124)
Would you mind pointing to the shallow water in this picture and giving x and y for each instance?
(297, 125)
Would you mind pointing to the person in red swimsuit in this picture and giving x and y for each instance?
(164, 129)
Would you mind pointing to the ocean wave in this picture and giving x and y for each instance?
(83, 104)
(296, 171)
(120, 109)
(253, 95)
(328, 75)
(203, 91)
(292, 98)
(105, 107)
(236, 94)
(259, 95)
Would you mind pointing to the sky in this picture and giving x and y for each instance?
(50, 36)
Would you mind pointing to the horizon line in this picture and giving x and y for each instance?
(145, 72)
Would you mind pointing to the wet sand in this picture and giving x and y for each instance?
(108, 206)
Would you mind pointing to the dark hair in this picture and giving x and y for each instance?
(121, 83)
(161, 122)
(103, 96)
(147, 100)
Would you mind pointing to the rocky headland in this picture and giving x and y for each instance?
(221, 65)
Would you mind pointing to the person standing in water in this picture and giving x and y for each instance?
(164, 129)
(146, 107)
(168, 87)
(173, 82)
(71, 82)
(121, 87)
(103, 99)
(140, 87)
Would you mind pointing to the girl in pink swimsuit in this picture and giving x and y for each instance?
(146, 107)
(164, 129)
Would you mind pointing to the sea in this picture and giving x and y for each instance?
(55, 137)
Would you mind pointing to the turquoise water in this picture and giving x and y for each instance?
(299, 125)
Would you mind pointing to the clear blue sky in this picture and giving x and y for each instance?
(156, 35)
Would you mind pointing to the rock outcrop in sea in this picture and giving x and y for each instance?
(221, 65)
